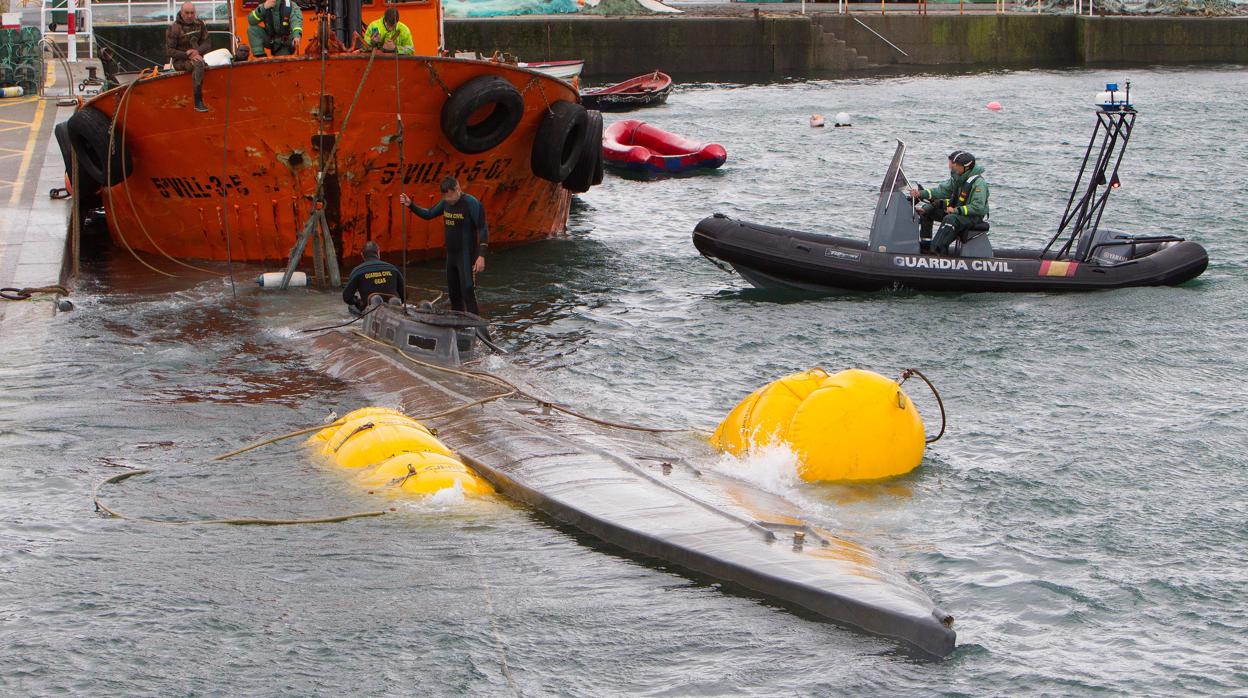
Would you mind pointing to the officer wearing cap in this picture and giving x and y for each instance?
(373, 278)
(960, 202)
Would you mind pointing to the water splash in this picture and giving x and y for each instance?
(772, 467)
(445, 500)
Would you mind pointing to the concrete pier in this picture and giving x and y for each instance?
(34, 227)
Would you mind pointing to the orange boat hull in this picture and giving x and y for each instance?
(238, 182)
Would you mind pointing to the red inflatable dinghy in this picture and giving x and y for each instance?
(636, 145)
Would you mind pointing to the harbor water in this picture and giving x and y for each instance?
(1084, 518)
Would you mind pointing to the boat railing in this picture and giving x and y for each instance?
(115, 12)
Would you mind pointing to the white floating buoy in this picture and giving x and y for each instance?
(15, 91)
(994, 106)
(816, 120)
(273, 279)
(842, 119)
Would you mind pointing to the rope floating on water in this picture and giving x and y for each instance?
(290, 435)
(114, 513)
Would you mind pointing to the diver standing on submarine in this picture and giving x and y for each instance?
(467, 239)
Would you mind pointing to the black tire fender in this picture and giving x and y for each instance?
(598, 168)
(88, 136)
(471, 97)
(590, 162)
(89, 193)
(559, 141)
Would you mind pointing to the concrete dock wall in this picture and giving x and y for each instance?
(988, 40)
(687, 46)
(1010, 41)
(1163, 40)
(692, 47)
(794, 45)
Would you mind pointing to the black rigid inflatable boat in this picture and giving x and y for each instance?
(770, 257)
(1081, 256)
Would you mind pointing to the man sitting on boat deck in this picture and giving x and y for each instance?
(463, 217)
(186, 42)
(389, 34)
(960, 202)
(373, 278)
(282, 28)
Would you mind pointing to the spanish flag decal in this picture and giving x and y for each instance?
(1052, 268)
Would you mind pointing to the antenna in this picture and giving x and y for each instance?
(1115, 119)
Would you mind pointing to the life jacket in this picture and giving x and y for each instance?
(279, 27)
(964, 191)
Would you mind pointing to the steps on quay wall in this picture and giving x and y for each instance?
(834, 54)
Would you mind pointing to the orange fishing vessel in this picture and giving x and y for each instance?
(336, 131)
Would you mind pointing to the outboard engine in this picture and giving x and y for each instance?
(1108, 247)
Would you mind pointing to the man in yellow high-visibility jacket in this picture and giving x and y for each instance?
(389, 34)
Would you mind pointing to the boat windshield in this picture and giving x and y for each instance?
(895, 178)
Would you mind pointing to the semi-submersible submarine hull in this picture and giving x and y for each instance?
(637, 493)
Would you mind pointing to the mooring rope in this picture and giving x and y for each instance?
(124, 112)
(398, 125)
(352, 321)
(489, 609)
(116, 514)
(346, 120)
(487, 377)
(108, 175)
(25, 294)
(225, 189)
(905, 375)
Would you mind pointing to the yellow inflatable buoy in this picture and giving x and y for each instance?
(396, 453)
(424, 473)
(373, 445)
(858, 425)
(854, 425)
(359, 424)
(728, 435)
(763, 417)
(330, 429)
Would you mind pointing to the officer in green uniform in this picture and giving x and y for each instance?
(960, 202)
(276, 25)
(373, 278)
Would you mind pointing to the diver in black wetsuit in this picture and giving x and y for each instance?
(373, 278)
(466, 240)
